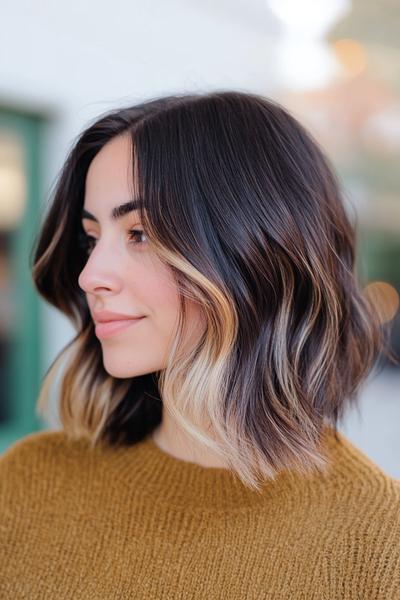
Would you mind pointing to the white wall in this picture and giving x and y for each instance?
(73, 60)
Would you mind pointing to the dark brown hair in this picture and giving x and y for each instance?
(242, 204)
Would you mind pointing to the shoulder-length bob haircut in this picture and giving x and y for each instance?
(242, 205)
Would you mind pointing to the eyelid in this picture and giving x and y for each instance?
(134, 229)
(85, 239)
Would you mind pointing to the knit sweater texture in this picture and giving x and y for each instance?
(137, 523)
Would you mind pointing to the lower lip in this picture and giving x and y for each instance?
(109, 328)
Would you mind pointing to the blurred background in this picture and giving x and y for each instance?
(334, 63)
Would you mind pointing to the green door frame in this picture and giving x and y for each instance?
(25, 358)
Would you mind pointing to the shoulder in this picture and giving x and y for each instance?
(36, 441)
(355, 501)
(42, 473)
(358, 483)
(361, 512)
(34, 447)
(355, 466)
(39, 456)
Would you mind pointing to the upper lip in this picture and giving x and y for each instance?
(106, 315)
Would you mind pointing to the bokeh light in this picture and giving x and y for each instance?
(385, 299)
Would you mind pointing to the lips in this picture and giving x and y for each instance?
(107, 315)
(106, 329)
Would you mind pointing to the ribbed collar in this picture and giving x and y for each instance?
(157, 475)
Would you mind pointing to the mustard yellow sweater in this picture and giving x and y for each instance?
(138, 523)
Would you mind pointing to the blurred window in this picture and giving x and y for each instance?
(19, 313)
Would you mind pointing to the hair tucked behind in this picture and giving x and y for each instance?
(243, 206)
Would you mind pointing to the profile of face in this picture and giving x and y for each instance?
(123, 275)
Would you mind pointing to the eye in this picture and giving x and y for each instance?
(136, 232)
(87, 242)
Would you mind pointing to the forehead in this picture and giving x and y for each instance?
(109, 185)
(113, 163)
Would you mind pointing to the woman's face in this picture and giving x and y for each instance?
(123, 275)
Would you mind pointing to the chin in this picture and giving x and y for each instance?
(120, 370)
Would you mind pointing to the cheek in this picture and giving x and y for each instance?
(161, 301)
(154, 292)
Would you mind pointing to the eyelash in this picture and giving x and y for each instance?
(86, 240)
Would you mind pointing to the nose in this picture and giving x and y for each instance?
(100, 273)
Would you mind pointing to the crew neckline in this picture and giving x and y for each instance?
(156, 474)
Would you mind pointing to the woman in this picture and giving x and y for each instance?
(201, 247)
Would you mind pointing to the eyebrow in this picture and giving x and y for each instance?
(117, 212)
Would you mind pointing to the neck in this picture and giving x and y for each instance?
(170, 438)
